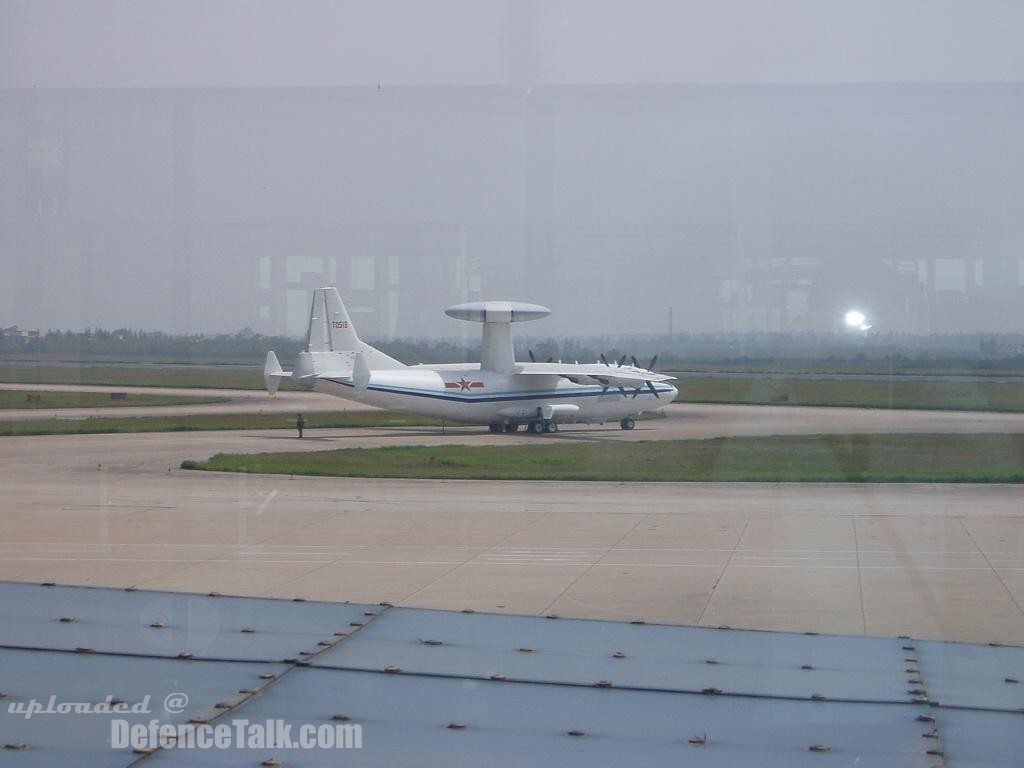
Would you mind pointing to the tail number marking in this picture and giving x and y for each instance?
(340, 323)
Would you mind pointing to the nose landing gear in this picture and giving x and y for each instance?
(627, 423)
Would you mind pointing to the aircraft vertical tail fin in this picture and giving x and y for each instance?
(330, 327)
(332, 342)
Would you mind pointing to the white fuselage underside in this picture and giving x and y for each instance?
(473, 396)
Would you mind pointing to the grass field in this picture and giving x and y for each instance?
(882, 458)
(228, 378)
(855, 393)
(197, 423)
(35, 400)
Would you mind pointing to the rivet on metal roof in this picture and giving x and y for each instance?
(903, 637)
(341, 633)
(498, 676)
(199, 720)
(3, 695)
(325, 643)
(819, 697)
(431, 642)
(935, 752)
(289, 660)
(912, 671)
(711, 691)
(456, 726)
(603, 684)
(909, 648)
(247, 691)
(355, 623)
(551, 616)
(932, 734)
(48, 584)
(386, 604)
(84, 649)
(806, 666)
(142, 750)
(996, 645)
(638, 621)
(917, 692)
(131, 589)
(526, 649)
(341, 718)
(303, 663)
(66, 619)
(575, 732)
(391, 668)
(298, 599)
(271, 762)
(266, 675)
(15, 745)
(910, 660)
(915, 681)
(810, 632)
(819, 748)
(223, 705)
(213, 594)
(157, 625)
(308, 653)
(920, 699)
(185, 655)
(369, 613)
(1010, 680)
(712, 661)
(724, 626)
(699, 739)
(468, 610)
(926, 718)
(618, 655)
(248, 630)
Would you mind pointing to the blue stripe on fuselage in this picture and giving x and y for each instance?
(537, 395)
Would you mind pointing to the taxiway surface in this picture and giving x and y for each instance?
(937, 561)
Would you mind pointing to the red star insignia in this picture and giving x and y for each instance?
(464, 384)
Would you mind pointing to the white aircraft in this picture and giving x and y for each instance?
(498, 391)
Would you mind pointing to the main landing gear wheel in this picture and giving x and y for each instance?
(627, 423)
(512, 426)
(550, 426)
(496, 426)
(537, 427)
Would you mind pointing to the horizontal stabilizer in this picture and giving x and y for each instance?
(272, 373)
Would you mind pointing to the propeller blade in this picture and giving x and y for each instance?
(654, 392)
(621, 361)
(623, 391)
(604, 359)
(654, 362)
(636, 392)
(635, 363)
(532, 358)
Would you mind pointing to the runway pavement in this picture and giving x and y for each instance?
(934, 561)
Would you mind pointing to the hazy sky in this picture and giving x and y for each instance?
(198, 166)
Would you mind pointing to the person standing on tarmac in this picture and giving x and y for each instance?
(300, 423)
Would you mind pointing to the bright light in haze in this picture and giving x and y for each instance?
(856, 320)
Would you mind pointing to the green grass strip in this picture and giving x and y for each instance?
(880, 458)
(855, 393)
(21, 399)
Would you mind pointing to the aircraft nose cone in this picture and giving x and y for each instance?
(672, 392)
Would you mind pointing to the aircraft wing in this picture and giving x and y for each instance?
(596, 373)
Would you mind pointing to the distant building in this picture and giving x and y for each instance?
(14, 332)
